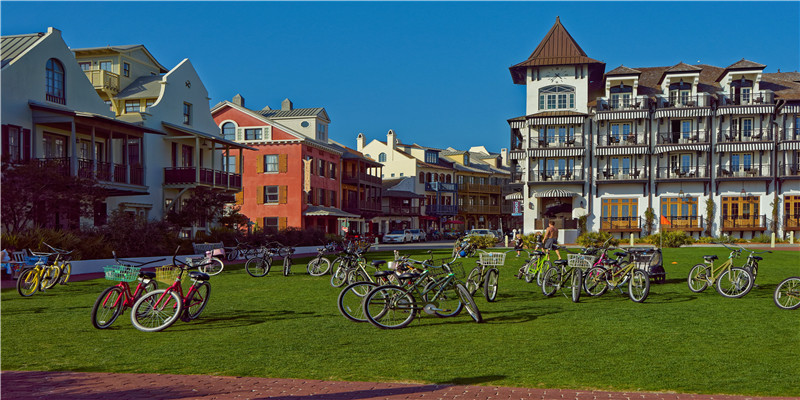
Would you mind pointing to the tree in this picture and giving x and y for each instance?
(205, 205)
(34, 193)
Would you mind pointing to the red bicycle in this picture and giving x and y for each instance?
(159, 309)
(115, 299)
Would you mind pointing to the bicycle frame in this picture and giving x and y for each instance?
(127, 297)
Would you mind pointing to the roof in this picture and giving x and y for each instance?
(295, 113)
(121, 49)
(214, 138)
(322, 211)
(13, 46)
(678, 68)
(623, 70)
(401, 194)
(651, 78)
(786, 85)
(557, 48)
(143, 87)
(746, 64)
(85, 114)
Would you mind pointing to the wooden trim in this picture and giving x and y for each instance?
(282, 223)
(283, 163)
(239, 198)
(260, 195)
(282, 194)
(260, 164)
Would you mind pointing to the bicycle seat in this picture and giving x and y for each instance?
(537, 253)
(378, 263)
(409, 275)
(147, 275)
(710, 258)
(199, 276)
(757, 258)
(560, 262)
(380, 274)
(527, 261)
(610, 262)
(621, 254)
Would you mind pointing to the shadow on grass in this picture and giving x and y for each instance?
(474, 380)
(381, 393)
(240, 318)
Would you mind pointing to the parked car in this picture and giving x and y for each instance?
(418, 235)
(398, 236)
(480, 232)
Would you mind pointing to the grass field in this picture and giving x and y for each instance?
(289, 327)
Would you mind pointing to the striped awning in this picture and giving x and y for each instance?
(517, 155)
(763, 109)
(685, 147)
(555, 193)
(566, 152)
(617, 115)
(514, 196)
(795, 145)
(573, 119)
(322, 211)
(791, 109)
(517, 124)
(621, 150)
(737, 147)
(683, 112)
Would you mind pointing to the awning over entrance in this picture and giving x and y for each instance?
(555, 193)
(514, 196)
(321, 211)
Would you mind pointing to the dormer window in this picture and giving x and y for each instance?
(466, 159)
(55, 82)
(680, 93)
(621, 96)
(556, 97)
(432, 157)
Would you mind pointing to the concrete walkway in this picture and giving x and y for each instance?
(23, 385)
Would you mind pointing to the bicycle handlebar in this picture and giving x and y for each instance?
(58, 251)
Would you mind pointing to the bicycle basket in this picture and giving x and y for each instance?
(32, 260)
(493, 259)
(458, 270)
(122, 273)
(167, 274)
(581, 261)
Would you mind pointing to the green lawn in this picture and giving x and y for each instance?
(289, 327)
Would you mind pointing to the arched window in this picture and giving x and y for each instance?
(447, 178)
(441, 177)
(428, 177)
(382, 157)
(556, 97)
(421, 177)
(55, 82)
(229, 131)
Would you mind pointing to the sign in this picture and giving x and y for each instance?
(307, 175)
(345, 229)
(516, 209)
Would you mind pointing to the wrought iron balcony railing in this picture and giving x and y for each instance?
(683, 172)
(744, 171)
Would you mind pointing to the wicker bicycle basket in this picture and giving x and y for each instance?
(493, 259)
(581, 261)
(167, 274)
(121, 273)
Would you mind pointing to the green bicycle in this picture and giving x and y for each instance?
(535, 266)
(730, 281)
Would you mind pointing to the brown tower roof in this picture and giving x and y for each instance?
(557, 48)
(623, 70)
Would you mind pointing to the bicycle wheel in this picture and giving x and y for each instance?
(28, 282)
(66, 272)
(577, 284)
(698, 278)
(594, 281)
(318, 266)
(541, 271)
(550, 282)
(469, 303)
(214, 267)
(528, 274)
(195, 304)
(357, 275)
(448, 303)
(351, 300)
(639, 286)
(257, 266)
(149, 287)
(474, 280)
(50, 277)
(389, 307)
(752, 269)
(787, 294)
(232, 255)
(156, 311)
(287, 266)
(490, 286)
(734, 283)
(107, 307)
(339, 277)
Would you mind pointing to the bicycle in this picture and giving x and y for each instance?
(351, 299)
(63, 263)
(346, 262)
(485, 275)
(463, 247)
(562, 276)
(319, 265)
(535, 266)
(287, 252)
(246, 250)
(260, 264)
(113, 301)
(787, 293)
(614, 273)
(737, 281)
(43, 276)
(394, 307)
(209, 264)
(751, 264)
(159, 309)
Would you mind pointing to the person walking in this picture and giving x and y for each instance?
(518, 244)
(551, 238)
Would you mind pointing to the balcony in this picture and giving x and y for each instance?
(441, 187)
(358, 207)
(553, 141)
(103, 80)
(683, 173)
(478, 188)
(790, 134)
(687, 101)
(556, 175)
(621, 140)
(744, 135)
(622, 174)
(789, 170)
(441, 209)
(686, 223)
(744, 223)
(791, 222)
(400, 210)
(478, 209)
(350, 178)
(622, 104)
(210, 177)
(691, 137)
(747, 99)
(757, 171)
(106, 172)
(561, 223)
(620, 224)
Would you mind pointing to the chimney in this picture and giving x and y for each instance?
(238, 100)
(504, 156)
(360, 141)
(286, 105)
(391, 140)
(266, 108)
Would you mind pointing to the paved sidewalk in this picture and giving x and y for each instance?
(22, 385)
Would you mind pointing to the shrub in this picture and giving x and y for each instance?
(529, 241)
(670, 239)
(483, 242)
(596, 239)
(84, 246)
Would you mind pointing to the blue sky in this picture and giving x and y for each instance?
(435, 72)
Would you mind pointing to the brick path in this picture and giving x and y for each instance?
(22, 385)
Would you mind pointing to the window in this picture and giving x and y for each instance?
(619, 213)
(421, 177)
(55, 146)
(738, 209)
(271, 194)
(271, 163)
(686, 162)
(106, 66)
(229, 131)
(108, 103)
(85, 66)
(126, 69)
(679, 93)
(19, 143)
(556, 97)
(621, 132)
(271, 223)
(55, 82)
(187, 113)
(252, 134)
(229, 162)
(320, 167)
(747, 128)
(741, 161)
(333, 198)
(686, 129)
(431, 157)
(131, 106)
(188, 156)
(382, 157)
(746, 92)
(332, 172)
(149, 102)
